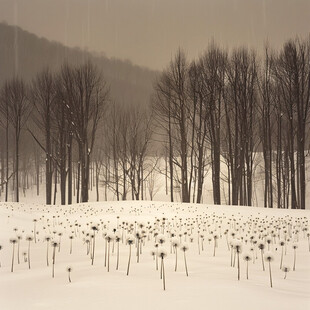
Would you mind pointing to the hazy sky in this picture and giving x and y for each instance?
(148, 32)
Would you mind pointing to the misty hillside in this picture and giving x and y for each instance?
(129, 83)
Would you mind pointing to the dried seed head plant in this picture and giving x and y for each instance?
(117, 240)
(285, 269)
(215, 238)
(19, 238)
(261, 246)
(29, 238)
(95, 229)
(175, 244)
(109, 238)
(282, 244)
(184, 247)
(247, 258)
(47, 239)
(237, 244)
(69, 270)
(54, 246)
(13, 241)
(161, 239)
(162, 253)
(269, 257)
(295, 247)
(130, 240)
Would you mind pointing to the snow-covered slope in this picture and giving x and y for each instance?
(211, 284)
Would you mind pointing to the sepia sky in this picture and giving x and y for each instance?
(148, 32)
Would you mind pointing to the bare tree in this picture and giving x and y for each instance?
(173, 102)
(43, 97)
(17, 104)
(139, 137)
(85, 96)
(214, 63)
(240, 110)
(292, 71)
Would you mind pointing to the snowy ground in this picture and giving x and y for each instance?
(212, 282)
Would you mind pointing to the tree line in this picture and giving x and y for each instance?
(224, 109)
(79, 137)
(233, 114)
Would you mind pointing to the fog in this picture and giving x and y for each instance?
(148, 32)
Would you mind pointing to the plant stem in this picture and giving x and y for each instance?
(105, 252)
(13, 257)
(117, 262)
(163, 271)
(93, 256)
(263, 259)
(47, 254)
(270, 274)
(138, 242)
(29, 254)
(176, 259)
(238, 261)
(54, 253)
(156, 259)
(108, 256)
(129, 259)
(185, 264)
(34, 233)
(18, 244)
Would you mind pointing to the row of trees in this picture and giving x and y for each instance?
(223, 109)
(55, 110)
(81, 137)
(231, 113)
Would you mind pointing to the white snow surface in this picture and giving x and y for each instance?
(212, 282)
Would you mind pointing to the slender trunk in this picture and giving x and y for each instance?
(7, 153)
(78, 181)
(70, 170)
(17, 164)
(170, 157)
(55, 186)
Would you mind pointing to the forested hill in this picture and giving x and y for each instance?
(26, 54)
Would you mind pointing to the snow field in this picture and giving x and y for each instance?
(212, 281)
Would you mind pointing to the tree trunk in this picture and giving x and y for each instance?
(70, 170)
